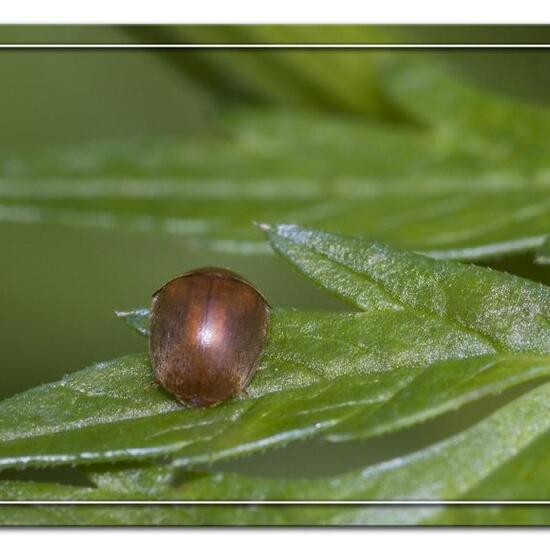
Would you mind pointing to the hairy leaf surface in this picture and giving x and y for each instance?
(430, 336)
(448, 470)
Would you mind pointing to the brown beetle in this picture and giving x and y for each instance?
(208, 331)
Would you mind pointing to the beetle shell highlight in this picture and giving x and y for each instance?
(208, 331)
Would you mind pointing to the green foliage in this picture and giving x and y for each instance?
(430, 336)
(447, 170)
(469, 181)
(334, 80)
(463, 466)
(543, 253)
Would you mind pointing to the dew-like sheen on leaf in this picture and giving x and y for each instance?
(453, 469)
(429, 336)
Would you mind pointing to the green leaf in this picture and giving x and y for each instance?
(468, 185)
(432, 336)
(339, 80)
(138, 319)
(470, 116)
(495, 310)
(447, 470)
(543, 253)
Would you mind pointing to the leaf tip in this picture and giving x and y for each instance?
(263, 226)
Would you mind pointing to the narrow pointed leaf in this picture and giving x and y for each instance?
(431, 337)
(444, 471)
(471, 182)
(543, 253)
(498, 310)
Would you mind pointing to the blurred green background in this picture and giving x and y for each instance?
(60, 285)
